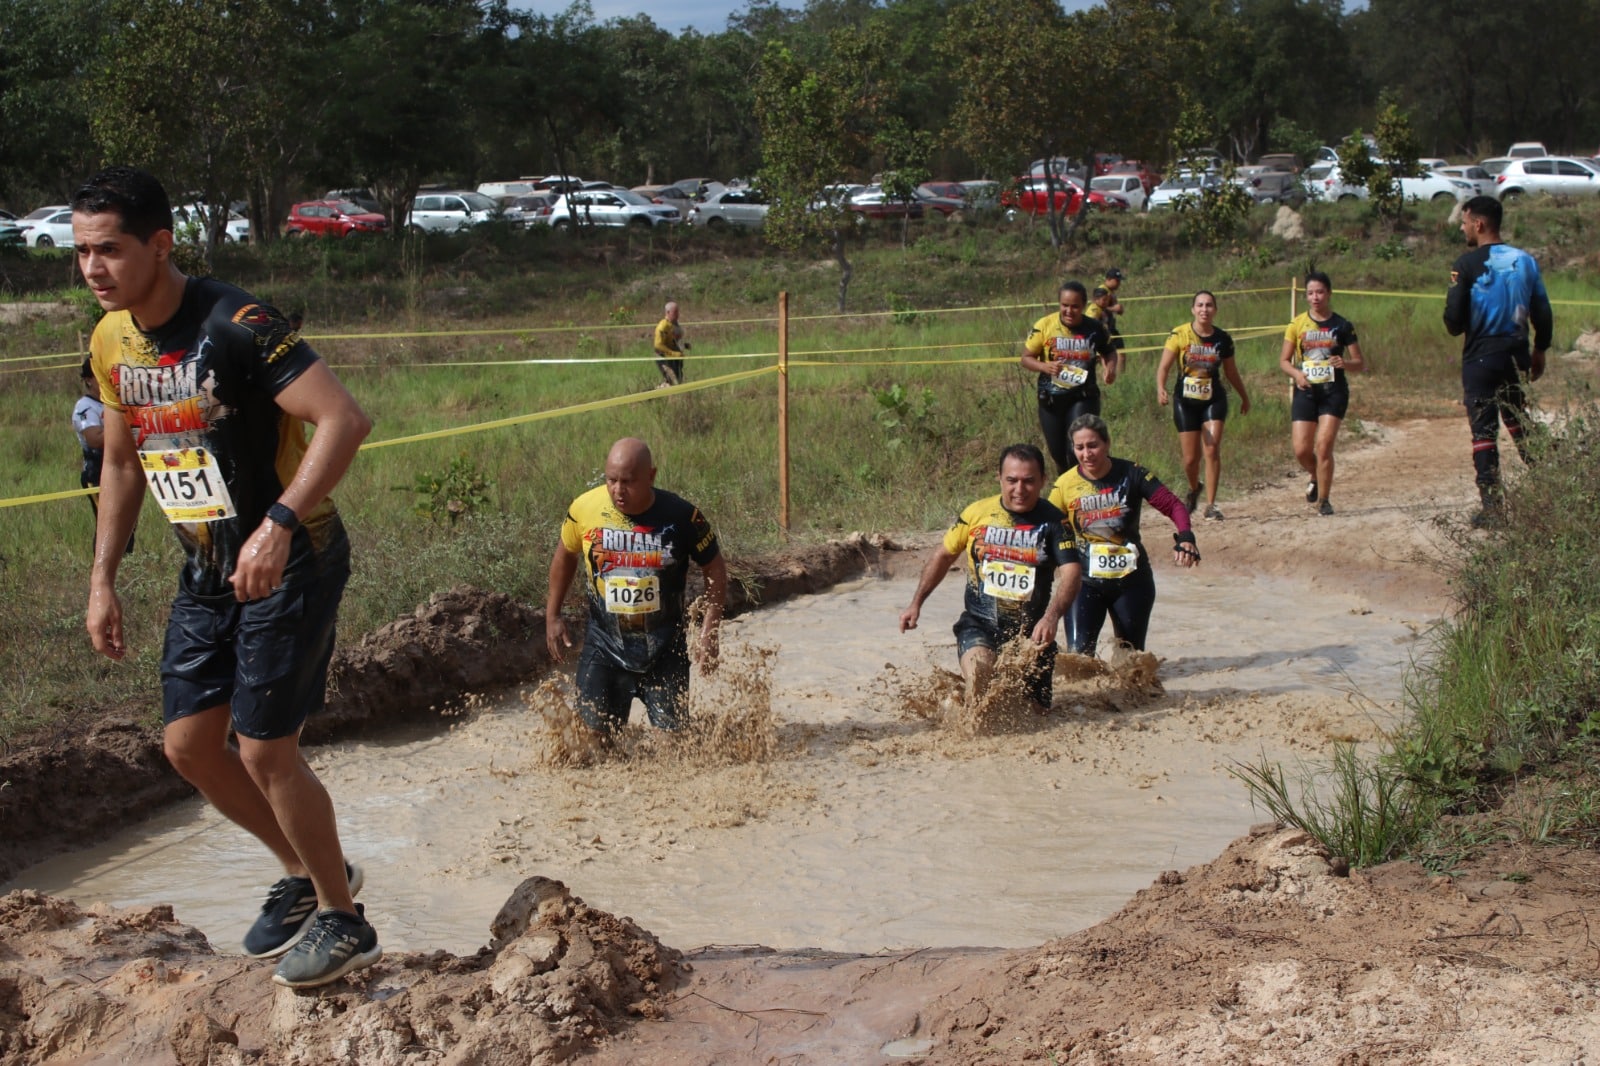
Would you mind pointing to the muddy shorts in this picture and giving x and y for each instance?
(606, 691)
(266, 659)
(1308, 405)
(971, 633)
(1190, 416)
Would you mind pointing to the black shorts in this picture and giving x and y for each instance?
(266, 659)
(1190, 416)
(1309, 405)
(606, 691)
(971, 633)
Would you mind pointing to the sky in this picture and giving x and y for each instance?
(707, 16)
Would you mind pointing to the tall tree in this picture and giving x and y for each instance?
(817, 120)
(47, 49)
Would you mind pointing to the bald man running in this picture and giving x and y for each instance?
(634, 542)
(670, 346)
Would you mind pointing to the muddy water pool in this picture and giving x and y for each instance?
(871, 829)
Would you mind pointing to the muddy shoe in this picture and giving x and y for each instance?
(1212, 513)
(1311, 491)
(1325, 508)
(338, 943)
(287, 914)
(1192, 500)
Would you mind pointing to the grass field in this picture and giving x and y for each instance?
(896, 410)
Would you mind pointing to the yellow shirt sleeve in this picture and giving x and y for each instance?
(664, 338)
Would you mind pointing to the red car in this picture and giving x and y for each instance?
(1149, 177)
(332, 218)
(1030, 196)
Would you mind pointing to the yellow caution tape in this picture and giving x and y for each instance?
(575, 409)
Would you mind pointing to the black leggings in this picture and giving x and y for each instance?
(1493, 394)
(1129, 601)
(1055, 415)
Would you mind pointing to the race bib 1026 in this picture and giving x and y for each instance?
(632, 594)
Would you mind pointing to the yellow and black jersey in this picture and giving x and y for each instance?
(1315, 343)
(198, 394)
(634, 568)
(668, 336)
(1200, 362)
(1108, 319)
(1102, 516)
(1074, 349)
(1010, 561)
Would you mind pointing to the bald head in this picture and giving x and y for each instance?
(631, 476)
(672, 311)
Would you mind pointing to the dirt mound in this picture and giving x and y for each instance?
(1270, 953)
(136, 986)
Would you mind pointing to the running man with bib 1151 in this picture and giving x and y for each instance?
(208, 394)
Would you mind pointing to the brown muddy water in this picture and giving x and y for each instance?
(868, 827)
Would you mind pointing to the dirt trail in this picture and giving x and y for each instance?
(1268, 953)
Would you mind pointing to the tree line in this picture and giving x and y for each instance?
(270, 100)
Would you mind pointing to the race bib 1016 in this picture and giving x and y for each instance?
(1006, 580)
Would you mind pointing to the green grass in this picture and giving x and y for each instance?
(501, 298)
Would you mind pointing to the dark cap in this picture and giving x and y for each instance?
(1114, 274)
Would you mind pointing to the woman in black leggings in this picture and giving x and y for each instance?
(1063, 348)
(1101, 498)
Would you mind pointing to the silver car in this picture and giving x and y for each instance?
(610, 207)
(1550, 175)
(746, 208)
(1481, 180)
(449, 212)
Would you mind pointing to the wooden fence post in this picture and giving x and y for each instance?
(783, 411)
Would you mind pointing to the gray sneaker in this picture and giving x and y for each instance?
(337, 944)
(1212, 513)
(288, 912)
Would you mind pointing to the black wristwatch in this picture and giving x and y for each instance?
(280, 515)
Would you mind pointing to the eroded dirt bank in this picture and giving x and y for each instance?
(73, 789)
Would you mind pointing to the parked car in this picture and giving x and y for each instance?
(1432, 163)
(944, 197)
(982, 195)
(532, 208)
(1324, 182)
(1105, 161)
(610, 207)
(671, 195)
(506, 191)
(1281, 161)
(745, 208)
(48, 227)
(873, 201)
(1549, 176)
(1126, 186)
(191, 223)
(332, 218)
(558, 183)
(1030, 196)
(1182, 189)
(1527, 150)
(10, 233)
(1434, 188)
(363, 198)
(698, 189)
(450, 212)
(1269, 185)
(1148, 176)
(1481, 180)
(1495, 164)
